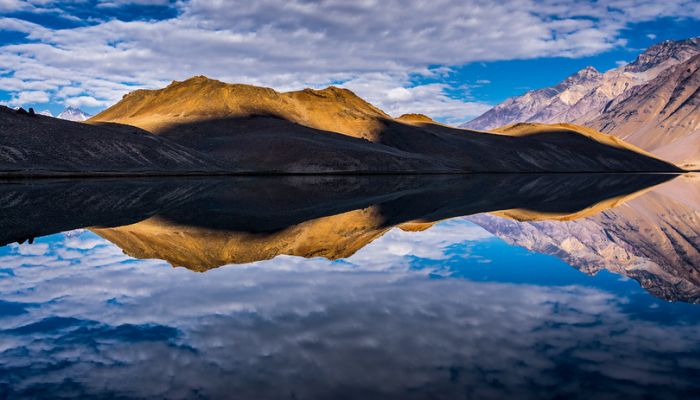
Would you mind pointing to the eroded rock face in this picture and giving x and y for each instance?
(583, 96)
(662, 116)
(651, 102)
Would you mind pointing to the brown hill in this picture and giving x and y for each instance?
(200, 98)
(416, 118)
(662, 116)
(526, 129)
(333, 130)
(33, 145)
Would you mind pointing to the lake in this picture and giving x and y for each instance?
(305, 287)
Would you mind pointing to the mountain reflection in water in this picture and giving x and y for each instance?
(352, 287)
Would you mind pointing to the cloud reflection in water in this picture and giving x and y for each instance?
(397, 320)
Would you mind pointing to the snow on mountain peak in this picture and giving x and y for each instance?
(74, 114)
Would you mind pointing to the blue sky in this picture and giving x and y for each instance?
(450, 59)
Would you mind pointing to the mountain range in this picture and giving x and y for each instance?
(651, 102)
(202, 125)
(69, 113)
(334, 130)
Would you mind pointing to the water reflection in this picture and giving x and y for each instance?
(391, 303)
(624, 223)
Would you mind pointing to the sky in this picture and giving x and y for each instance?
(449, 59)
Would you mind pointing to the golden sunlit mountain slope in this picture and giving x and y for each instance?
(333, 130)
(200, 98)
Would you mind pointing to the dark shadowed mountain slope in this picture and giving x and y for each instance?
(35, 145)
(333, 130)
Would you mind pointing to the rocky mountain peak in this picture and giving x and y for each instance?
(587, 73)
(669, 50)
(74, 114)
(583, 76)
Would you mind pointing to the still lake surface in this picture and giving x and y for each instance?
(484, 286)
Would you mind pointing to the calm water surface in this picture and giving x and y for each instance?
(394, 287)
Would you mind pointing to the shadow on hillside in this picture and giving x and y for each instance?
(269, 143)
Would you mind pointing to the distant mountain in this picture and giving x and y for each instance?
(334, 130)
(583, 96)
(46, 113)
(74, 114)
(662, 116)
(542, 105)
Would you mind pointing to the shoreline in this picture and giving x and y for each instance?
(44, 175)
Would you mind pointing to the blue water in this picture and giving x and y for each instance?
(449, 312)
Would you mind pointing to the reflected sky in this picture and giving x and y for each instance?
(453, 311)
(480, 286)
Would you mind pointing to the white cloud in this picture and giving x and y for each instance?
(651, 36)
(12, 5)
(298, 43)
(120, 3)
(429, 244)
(429, 99)
(399, 94)
(36, 249)
(86, 101)
(30, 97)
